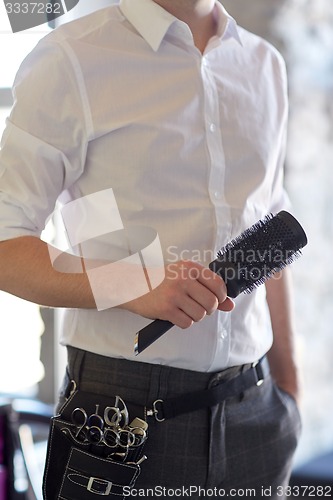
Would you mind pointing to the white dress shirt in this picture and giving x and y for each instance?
(192, 145)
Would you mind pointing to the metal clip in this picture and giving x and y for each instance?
(155, 411)
(70, 390)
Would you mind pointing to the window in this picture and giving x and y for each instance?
(21, 325)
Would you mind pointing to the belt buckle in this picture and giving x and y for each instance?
(96, 484)
(259, 372)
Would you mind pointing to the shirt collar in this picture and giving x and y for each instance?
(149, 19)
(227, 26)
(153, 22)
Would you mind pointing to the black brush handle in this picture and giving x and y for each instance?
(147, 335)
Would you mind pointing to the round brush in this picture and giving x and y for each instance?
(245, 263)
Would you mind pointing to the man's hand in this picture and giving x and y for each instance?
(188, 293)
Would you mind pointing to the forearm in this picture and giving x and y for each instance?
(282, 356)
(27, 272)
(183, 296)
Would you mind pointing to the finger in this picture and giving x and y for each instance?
(214, 283)
(203, 296)
(227, 305)
(193, 309)
(181, 319)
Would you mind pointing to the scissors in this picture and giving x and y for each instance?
(117, 415)
(110, 437)
(120, 438)
(140, 436)
(87, 428)
(113, 430)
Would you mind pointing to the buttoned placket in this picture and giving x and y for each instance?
(214, 141)
(216, 179)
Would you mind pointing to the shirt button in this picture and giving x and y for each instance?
(217, 195)
(205, 61)
(212, 127)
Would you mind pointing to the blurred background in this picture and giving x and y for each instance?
(31, 361)
(303, 32)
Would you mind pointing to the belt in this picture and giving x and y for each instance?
(197, 400)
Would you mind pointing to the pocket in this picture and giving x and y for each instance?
(58, 451)
(289, 401)
(87, 475)
(288, 424)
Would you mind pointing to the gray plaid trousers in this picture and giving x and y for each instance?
(240, 448)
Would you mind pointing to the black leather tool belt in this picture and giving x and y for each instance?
(95, 447)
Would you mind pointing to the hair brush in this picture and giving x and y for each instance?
(245, 263)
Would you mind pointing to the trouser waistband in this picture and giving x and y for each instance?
(216, 394)
(141, 383)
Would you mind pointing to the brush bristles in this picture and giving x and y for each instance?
(270, 273)
(244, 237)
(262, 250)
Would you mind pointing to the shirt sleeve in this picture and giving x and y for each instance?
(44, 145)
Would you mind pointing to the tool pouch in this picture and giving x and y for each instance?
(78, 469)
